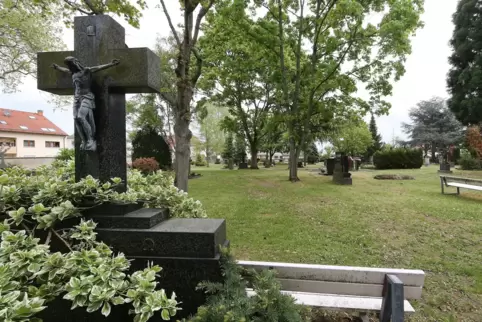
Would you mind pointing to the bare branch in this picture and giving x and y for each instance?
(200, 16)
(168, 17)
(73, 5)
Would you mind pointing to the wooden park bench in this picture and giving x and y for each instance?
(385, 291)
(458, 182)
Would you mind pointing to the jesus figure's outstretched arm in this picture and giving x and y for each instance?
(60, 69)
(95, 69)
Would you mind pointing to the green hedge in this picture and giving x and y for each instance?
(398, 158)
(468, 162)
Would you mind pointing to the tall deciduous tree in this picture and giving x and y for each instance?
(353, 138)
(210, 119)
(188, 69)
(465, 78)
(433, 126)
(313, 82)
(239, 73)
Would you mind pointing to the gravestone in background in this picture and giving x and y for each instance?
(330, 166)
(341, 174)
(186, 249)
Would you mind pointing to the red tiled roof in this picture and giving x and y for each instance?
(27, 122)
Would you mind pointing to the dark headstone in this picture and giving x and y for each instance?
(243, 165)
(330, 166)
(341, 174)
(445, 168)
(300, 164)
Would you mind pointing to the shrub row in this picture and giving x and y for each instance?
(398, 158)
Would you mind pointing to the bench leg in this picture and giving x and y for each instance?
(442, 185)
(364, 317)
(458, 191)
(393, 300)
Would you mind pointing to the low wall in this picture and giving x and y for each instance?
(29, 162)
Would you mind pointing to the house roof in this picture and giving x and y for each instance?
(27, 122)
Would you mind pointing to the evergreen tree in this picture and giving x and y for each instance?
(228, 152)
(148, 143)
(377, 138)
(240, 150)
(313, 155)
(465, 79)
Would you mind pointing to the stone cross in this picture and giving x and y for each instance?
(99, 40)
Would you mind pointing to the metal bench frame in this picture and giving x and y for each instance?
(445, 183)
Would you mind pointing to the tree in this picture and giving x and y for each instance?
(353, 138)
(229, 151)
(147, 143)
(376, 138)
(240, 73)
(240, 149)
(312, 154)
(465, 78)
(312, 83)
(210, 118)
(186, 80)
(433, 127)
(28, 27)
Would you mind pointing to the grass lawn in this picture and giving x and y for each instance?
(396, 224)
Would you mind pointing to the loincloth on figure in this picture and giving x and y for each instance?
(84, 101)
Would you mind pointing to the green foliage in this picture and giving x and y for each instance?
(199, 161)
(65, 155)
(143, 110)
(25, 28)
(146, 165)
(147, 142)
(464, 79)
(468, 162)
(210, 127)
(398, 158)
(353, 138)
(433, 126)
(376, 138)
(313, 155)
(240, 149)
(229, 302)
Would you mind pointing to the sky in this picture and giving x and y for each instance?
(425, 77)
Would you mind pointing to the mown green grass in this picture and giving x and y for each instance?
(397, 224)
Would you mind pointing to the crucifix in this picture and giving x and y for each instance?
(99, 72)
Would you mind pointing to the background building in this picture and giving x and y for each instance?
(30, 135)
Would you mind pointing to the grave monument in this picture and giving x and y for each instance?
(99, 72)
(341, 174)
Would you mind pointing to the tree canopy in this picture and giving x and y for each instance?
(353, 138)
(465, 77)
(433, 126)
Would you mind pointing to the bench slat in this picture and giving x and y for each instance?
(355, 289)
(462, 185)
(346, 274)
(340, 302)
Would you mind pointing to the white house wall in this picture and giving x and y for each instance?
(40, 150)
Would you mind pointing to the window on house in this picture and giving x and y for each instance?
(52, 144)
(32, 117)
(44, 129)
(276, 157)
(29, 143)
(3, 122)
(23, 127)
(51, 130)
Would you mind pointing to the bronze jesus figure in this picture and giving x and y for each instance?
(84, 101)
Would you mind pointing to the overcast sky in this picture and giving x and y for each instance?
(426, 68)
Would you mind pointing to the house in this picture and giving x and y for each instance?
(278, 156)
(30, 134)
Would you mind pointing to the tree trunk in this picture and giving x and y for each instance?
(293, 162)
(183, 152)
(434, 159)
(254, 158)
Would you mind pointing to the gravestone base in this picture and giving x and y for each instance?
(243, 165)
(445, 171)
(444, 168)
(186, 249)
(342, 178)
